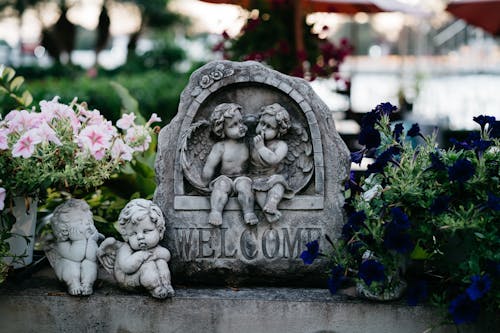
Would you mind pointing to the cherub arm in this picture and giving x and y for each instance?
(130, 261)
(213, 160)
(160, 252)
(271, 157)
(72, 250)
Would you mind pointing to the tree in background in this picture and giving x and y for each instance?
(268, 36)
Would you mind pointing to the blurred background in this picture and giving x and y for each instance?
(437, 60)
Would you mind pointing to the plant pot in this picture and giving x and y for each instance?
(22, 240)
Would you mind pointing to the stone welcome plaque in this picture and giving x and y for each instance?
(315, 167)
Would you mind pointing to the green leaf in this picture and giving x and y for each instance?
(27, 98)
(100, 219)
(16, 83)
(419, 253)
(8, 74)
(129, 103)
(143, 169)
(479, 235)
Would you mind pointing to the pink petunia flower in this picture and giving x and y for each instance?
(2, 198)
(138, 138)
(20, 121)
(122, 151)
(25, 146)
(4, 142)
(47, 134)
(53, 109)
(126, 121)
(96, 139)
(154, 119)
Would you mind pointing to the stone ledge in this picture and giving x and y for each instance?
(40, 304)
(300, 202)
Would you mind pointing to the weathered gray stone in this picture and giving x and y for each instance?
(236, 252)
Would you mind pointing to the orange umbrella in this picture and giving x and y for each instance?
(481, 13)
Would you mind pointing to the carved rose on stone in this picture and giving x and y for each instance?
(217, 75)
(206, 81)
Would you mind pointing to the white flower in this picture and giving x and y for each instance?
(122, 151)
(2, 198)
(126, 121)
(154, 119)
(138, 138)
(372, 193)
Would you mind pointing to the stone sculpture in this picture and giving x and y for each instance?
(231, 154)
(139, 261)
(297, 171)
(73, 254)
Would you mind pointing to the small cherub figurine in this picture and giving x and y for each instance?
(231, 154)
(140, 261)
(267, 154)
(73, 255)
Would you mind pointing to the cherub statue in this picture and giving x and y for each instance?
(231, 154)
(140, 261)
(267, 154)
(73, 255)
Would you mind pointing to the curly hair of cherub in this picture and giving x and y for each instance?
(135, 211)
(280, 114)
(60, 218)
(221, 112)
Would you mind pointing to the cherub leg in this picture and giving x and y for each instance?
(150, 279)
(274, 196)
(71, 276)
(165, 276)
(89, 275)
(246, 199)
(218, 200)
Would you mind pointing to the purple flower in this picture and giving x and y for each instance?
(336, 279)
(494, 130)
(352, 184)
(417, 292)
(463, 310)
(311, 253)
(481, 145)
(399, 219)
(483, 120)
(436, 162)
(371, 270)
(440, 205)
(354, 223)
(414, 131)
(398, 130)
(461, 144)
(369, 137)
(461, 171)
(357, 156)
(493, 201)
(398, 240)
(385, 109)
(375, 167)
(479, 287)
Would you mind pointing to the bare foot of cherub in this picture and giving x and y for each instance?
(215, 218)
(86, 289)
(170, 291)
(159, 292)
(250, 218)
(75, 289)
(272, 213)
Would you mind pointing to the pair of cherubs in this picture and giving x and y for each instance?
(231, 154)
(138, 262)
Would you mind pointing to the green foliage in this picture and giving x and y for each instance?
(449, 200)
(12, 93)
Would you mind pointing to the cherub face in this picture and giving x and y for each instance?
(267, 127)
(80, 225)
(142, 235)
(234, 127)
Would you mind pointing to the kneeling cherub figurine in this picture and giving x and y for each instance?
(73, 254)
(140, 261)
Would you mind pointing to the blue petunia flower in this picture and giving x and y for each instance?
(311, 253)
(483, 120)
(417, 292)
(414, 131)
(385, 109)
(479, 287)
(398, 240)
(463, 310)
(369, 137)
(461, 171)
(493, 201)
(480, 145)
(436, 162)
(399, 219)
(354, 223)
(398, 130)
(357, 156)
(336, 279)
(494, 130)
(461, 144)
(371, 270)
(440, 205)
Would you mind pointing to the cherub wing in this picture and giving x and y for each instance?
(107, 253)
(195, 147)
(49, 246)
(298, 165)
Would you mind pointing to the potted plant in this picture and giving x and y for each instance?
(57, 146)
(422, 216)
